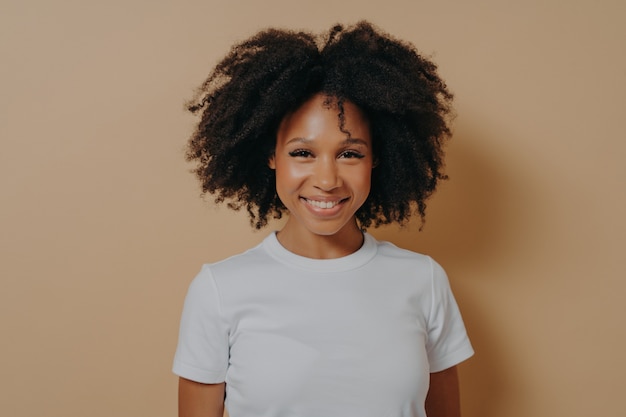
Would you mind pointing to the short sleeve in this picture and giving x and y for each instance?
(202, 352)
(448, 343)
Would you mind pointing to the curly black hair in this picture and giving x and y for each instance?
(248, 93)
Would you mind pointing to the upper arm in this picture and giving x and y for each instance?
(443, 395)
(200, 400)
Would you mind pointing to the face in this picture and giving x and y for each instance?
(322, 175)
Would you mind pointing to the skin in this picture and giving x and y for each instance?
(443, 398)
(323, 176)
(200, 400)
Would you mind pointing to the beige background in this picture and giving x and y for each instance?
(102, 227)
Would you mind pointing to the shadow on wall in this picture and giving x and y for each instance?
(468, 230)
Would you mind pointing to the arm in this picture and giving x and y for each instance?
(200, 400)
(443, 395)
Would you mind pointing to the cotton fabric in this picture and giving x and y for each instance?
(300, 337)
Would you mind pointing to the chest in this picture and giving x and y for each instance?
(342, 344)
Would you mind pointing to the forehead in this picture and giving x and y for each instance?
(320, 116)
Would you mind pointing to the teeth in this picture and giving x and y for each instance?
(322, 204)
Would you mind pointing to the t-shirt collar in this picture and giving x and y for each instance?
(355, 260)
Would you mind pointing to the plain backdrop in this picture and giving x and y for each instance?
(102, 226)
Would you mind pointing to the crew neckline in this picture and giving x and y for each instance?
(352, 261)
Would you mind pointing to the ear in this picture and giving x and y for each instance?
(272, 161)
(375, 162)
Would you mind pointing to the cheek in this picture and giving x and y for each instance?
(361, 181)
(289, 175)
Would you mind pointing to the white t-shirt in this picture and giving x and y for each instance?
(300, 337)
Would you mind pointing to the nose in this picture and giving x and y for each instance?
(326, 174)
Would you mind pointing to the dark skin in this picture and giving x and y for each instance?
(200, 400)
(443, 399)
(207, 400)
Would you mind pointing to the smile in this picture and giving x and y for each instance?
(322, 204)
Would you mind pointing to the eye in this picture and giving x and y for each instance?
(349, 154)
(301, 153)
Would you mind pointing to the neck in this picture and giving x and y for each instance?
(305, 243)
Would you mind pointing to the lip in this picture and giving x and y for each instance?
(316, 205)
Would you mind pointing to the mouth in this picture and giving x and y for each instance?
(323, 204)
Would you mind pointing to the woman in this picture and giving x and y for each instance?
(340, 133)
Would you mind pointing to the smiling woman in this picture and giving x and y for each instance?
(338, 132)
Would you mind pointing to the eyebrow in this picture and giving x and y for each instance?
(347, 141)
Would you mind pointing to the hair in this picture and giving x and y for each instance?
(245, 97)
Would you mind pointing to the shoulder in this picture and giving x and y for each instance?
(414, 264)
(389, 252)
(242, 264)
